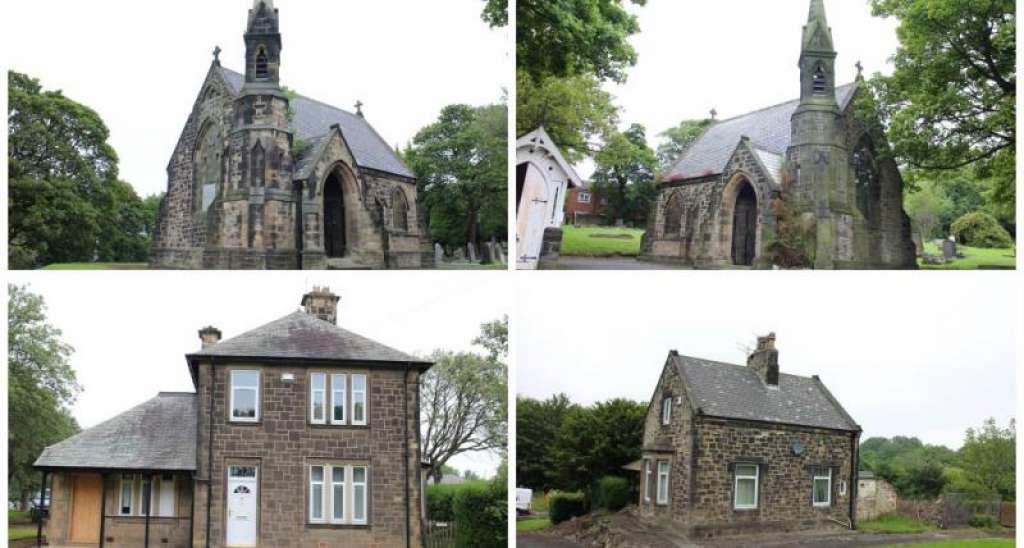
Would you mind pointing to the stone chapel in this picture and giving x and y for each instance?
(719, 206)
(263, 178)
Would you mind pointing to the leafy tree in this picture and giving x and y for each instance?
(463, 401)
(988, 457)
(678, 139)
(597, 441)
(951, 101)
(574, 110)
(537, 425)
(494, 338)
(41, 387)
(980, 229)
(927, 207)
(461, 163)
(496, 13)
(573, 37)
(625, 174)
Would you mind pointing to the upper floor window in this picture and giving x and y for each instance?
(822, 486)
(318, 398)
(819, 80)
(338, 393)
(347, 399)
(745, 485)
(245, 396)
(359, 399)
(338, 494)
(666, 410)
(583, 197)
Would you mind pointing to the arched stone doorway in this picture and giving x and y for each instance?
(335, 237)
(744, 226)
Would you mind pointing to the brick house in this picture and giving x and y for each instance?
(583, 206)
(299, 433)
(730, 448)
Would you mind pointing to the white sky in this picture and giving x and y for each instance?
(907, 354)
(141, 64)
(735, 56)
(131, 332)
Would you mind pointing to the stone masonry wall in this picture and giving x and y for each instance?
(874, 498)
(672, 443)
(283, 444)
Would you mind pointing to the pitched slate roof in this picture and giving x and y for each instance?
(159, 434)
(314, 119)
(737, 392)
(769, 129)
(303, 336)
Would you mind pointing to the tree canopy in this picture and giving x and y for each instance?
(678, 139)
(625, 174)
(41, 387)
(496, 12)
(574, 110)
(461, 163)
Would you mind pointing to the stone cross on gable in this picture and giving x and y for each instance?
(216, 54)
(714, 113)
(359, 108)
(860, 69)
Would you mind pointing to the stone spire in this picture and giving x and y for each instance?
(263, 46)
(816, 21)
(817, 60)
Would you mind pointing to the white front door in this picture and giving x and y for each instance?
(531, 219)
(243, 505)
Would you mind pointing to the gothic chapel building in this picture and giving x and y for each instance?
(262, 178)
(719, 204)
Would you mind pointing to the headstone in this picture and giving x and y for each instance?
(948, 250)
(500, 250)
(459, 255)
(487, 253)
(472, 252)
(438, 254)
(918, 244)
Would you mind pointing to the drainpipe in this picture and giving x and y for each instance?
(405, 451)
(209, 459)
(148, 502)
(103, 511)
(297, 188)
(854, 466)
(192, 513)
(42, 506)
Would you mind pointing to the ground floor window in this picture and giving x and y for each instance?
(822, 488)
(647, 481)
(139, 494)
(663, 482)
(746, 485)
(338, 494)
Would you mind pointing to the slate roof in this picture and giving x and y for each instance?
(769, 130)
(303, 336)
(159, 434)
(314, 119)
(737, 392)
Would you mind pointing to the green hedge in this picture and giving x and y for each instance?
(440, 501)
(565, 506)
(980, 229)
(481, 516)
(612, 493)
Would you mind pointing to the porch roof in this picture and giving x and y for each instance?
(159, 434)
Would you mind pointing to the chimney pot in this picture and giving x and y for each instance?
(322, 303)
(210, 336)
(765, 360)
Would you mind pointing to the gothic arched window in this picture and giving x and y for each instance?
(400, 211)
(225, 168)
(259, 165)
(866, 179)
(674, 215)
(819, 80)
(207, 168)
(262, 67)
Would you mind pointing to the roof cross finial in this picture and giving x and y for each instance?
(860, 70)
(216, 55)
(714, 113)
(359, 109)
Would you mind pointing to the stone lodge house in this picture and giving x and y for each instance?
(811, 163)
(263, 178)
(732, 449)
(543, 177)
(299, 433)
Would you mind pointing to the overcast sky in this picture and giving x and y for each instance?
(131, 332)
(735, 56)
(141, 64)
(907, 354)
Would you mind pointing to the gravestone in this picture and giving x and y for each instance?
(918, 244)
(459, 255)
(472, 252)
(948, 250)
(438, 254)
(500, 250)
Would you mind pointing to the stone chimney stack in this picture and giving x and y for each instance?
(210, 336)
(322, 303)
(765, 360)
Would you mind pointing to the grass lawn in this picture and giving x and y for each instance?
(893, 524)
(539, 502)
(600, 241)
(18, 533)
(976, 258)
(532, 524)
(16, 514)
(474, 266)
(97, 266)
(975, 543)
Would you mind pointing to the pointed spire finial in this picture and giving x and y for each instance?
(817, 33)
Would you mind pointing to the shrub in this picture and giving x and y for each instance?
(565, 506)
(440, 502)
(982, 521)
(980, 229)
(481, 515)
(612, 493)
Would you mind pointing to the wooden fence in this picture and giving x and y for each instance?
(439, 535)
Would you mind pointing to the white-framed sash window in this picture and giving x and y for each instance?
(166, 496)
(127, 489)
(339, 494)
(245, 396)
(316, 494)
(666, 411)
(359, 400)
(745, 486)
(339, 389)
(317, 398)
(822, 486)
(663, 468)
(648, 474)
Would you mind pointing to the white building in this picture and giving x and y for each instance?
(543, 178)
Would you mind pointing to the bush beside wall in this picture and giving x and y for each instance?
(980, 229)
(565, 506)
(612, 493)
(481, 516)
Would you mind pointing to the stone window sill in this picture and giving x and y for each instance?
(339, 526)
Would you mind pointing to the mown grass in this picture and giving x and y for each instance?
(97, 266)
(893, 524)
(17, 514)
(974, 258)
(599, 241)
(533, 524)
(19, 533)
(539, 502)
(967, 543)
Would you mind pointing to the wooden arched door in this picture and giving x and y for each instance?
(744, 227)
